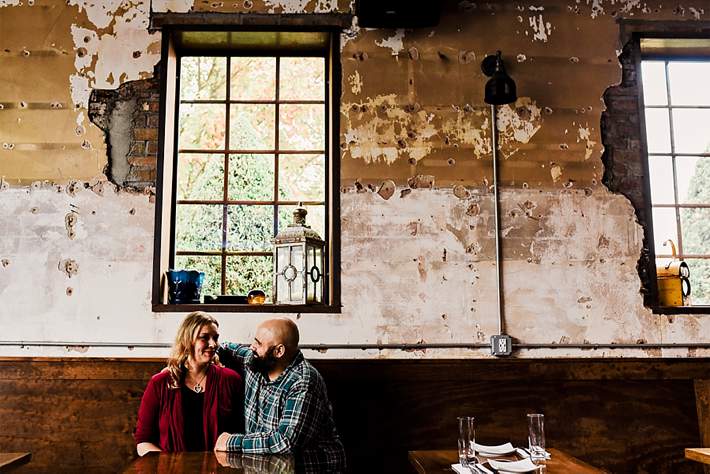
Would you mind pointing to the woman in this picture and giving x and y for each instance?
(186, 406)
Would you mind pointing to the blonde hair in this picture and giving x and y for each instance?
(185, 344)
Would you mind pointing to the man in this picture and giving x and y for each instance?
(286, 405)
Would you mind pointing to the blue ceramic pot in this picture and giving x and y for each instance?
(184, 286)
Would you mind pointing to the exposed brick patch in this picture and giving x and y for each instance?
(139, 139)
(144, 134)
(623, 155)
(143, 161)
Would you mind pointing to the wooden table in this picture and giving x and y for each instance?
(11, 460)
(440, 461)
(210, 462)
(698, 454)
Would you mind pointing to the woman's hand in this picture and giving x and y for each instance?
(145, 448)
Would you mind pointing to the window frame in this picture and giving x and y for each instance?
(656, 30)
(164, 239)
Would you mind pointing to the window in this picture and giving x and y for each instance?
(249, 138)
(676, 106)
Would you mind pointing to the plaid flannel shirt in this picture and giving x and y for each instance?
(291, 414)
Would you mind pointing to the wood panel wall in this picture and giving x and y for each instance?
(629, 416)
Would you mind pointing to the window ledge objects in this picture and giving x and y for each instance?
(245, 308)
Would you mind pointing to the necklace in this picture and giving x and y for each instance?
(198, 386)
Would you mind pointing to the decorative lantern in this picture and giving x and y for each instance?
(298, 263)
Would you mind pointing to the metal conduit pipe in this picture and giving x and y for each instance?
(496, 212)
(396, 346)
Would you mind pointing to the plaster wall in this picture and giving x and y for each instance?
(416, 205)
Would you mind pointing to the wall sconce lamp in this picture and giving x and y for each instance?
(500, 89)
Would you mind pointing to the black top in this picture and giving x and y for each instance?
(192, 415)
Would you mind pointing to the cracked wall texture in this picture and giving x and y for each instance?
(416, 207)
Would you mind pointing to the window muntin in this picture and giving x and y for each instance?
(251, 146)
(677, 117)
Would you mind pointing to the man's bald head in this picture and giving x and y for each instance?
(279, 331)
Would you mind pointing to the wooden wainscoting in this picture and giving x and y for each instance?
(626, 415)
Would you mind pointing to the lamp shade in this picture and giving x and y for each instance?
(500, 88)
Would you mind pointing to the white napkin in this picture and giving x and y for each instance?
(498, 450)
(524, 453)
(524, 465)
(464, 470)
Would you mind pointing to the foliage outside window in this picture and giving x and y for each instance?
(677, 116)
(251, 145)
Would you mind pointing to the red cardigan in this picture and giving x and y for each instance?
(160, 418)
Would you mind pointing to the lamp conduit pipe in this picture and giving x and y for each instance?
(496, 215)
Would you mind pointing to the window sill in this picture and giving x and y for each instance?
(681, 310)
(245, 308)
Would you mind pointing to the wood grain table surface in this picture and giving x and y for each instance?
(440, 461)
(11, 460)
(698, 454)
(211, 462)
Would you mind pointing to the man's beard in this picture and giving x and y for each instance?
(263, 364)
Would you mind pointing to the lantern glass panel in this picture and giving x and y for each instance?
(297, 257)
(310, 284)
(280, 286)
(321, 281)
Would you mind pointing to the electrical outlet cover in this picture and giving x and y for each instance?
(501, 345)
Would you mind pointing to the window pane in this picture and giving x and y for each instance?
(301, 127)
(251, 127)
(661, 173)
(209, 265)
(250, 273)
(658, 135)
(691, 130)
(654, 83)
(664, 228)
(200, 177)
(203, 78)
(202, 126)
(302, 79)
(695, 226)
(251, 177)
(253, 79)
(250, 227)
(688, 81)
(315, 218)
(198, 227)
(302, 177)
(699, 280)
(693, 174)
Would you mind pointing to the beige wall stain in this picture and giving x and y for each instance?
(301, 6)
(384, 129)
(584, 135)
(355, 82)
(395, 42)
(541, 30)
(127, 51)
(517, 124)
(176, 6)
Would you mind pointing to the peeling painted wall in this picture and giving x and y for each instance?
(416, 205)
